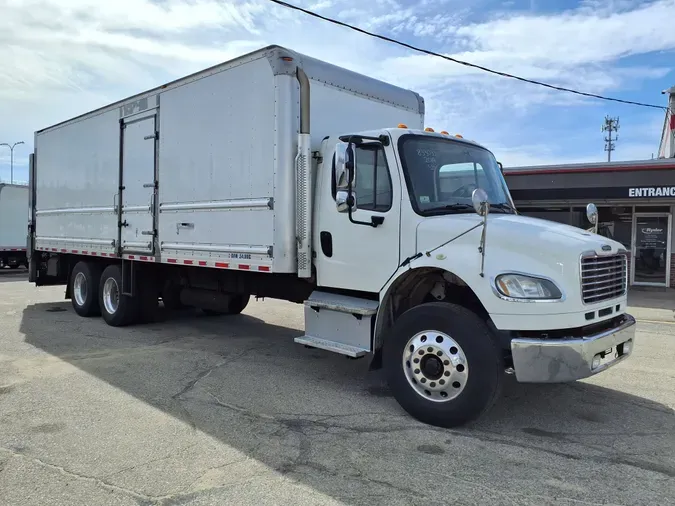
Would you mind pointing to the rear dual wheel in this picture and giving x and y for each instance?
(84, 283)
(117, 309)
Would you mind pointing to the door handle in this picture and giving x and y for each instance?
(185, 225)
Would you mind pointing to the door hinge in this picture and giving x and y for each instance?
(123, 223)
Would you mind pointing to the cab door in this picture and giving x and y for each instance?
(354, 254)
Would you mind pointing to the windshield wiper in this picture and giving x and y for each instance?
(449, 207)
(503, 207)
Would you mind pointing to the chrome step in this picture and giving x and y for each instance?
(341, 303)
(323, 344)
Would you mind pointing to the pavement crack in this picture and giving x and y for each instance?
(72, 474)
(191, 384)
(604, 457)
(151, 461)
(207, 372)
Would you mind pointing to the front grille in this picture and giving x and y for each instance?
(603, 278)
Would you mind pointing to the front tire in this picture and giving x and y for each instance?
(116, 309)
(84, 281)
(443, 364)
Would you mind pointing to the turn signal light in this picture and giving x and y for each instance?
(401, 125)
(428, 129)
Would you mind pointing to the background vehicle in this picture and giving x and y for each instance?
(278, 175)
(13, 204)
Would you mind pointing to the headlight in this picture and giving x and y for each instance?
(520, 286)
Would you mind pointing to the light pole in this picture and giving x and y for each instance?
(11, 159)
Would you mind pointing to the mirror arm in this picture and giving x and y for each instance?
(374, 222)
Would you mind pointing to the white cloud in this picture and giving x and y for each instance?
(62, 58)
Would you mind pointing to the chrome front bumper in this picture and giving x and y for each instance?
(564, 360)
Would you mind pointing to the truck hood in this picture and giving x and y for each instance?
(514, 242)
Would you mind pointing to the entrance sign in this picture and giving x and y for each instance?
(652, 191)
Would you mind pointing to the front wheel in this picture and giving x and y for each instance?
(443, 364)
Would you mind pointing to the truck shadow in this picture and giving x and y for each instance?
(329, 423)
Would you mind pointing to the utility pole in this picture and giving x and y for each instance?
(610, 125)
(11, 158)
(667, 146)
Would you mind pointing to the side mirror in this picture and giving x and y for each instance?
(479, 199)
(592, 215)
(345, 201)
(345, 165)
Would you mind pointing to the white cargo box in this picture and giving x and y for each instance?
(13, 217)
(204, 165)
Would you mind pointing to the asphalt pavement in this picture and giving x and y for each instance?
(198, 410)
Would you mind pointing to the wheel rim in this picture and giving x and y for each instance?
(435, 366)
(111, 295)
(80, 288)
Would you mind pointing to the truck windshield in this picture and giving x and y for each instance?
(441, 175)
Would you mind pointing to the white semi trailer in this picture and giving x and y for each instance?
(13, 209)
(279, 175)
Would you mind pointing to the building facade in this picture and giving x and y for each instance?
(635, 200)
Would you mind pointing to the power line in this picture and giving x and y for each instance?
(460, 62)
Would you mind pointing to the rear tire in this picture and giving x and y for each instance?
(84, 283)
(443, 365)
(237, 304)
(116, 309)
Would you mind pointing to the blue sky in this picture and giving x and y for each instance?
(61, 58)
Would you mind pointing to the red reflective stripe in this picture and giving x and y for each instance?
(132, 257)
(171, 260)
(54, 249)
(64, 251)
(93, 253)
(672, 121)
(104, 254)
(223, 265)
(187, 262)
(85, 252)
(202, 262)
(264, 268)
(73, 251)
(244, 267)
(144, 258)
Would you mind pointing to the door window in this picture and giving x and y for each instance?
(373, 183)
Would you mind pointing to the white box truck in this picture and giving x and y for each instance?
(13, 209)
(279, 175)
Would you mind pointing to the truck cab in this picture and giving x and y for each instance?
(423, 223)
